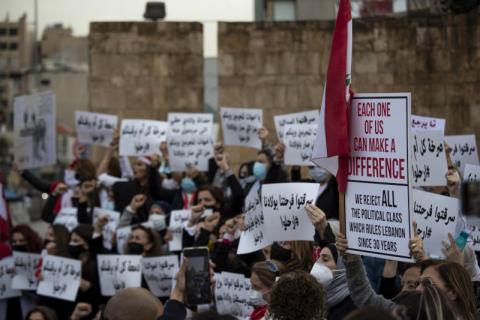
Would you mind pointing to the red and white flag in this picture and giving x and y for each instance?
(331, 146)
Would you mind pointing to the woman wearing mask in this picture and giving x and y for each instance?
(263, 277)
(83, 247)
(143, 241)
(330, 272)
(25, 239)
(295, 255)
(245, 175)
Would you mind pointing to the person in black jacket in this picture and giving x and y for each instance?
(146, 181)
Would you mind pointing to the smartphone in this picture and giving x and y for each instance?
(470, 194)
(198, 286)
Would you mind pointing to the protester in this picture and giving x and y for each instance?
(25, 239)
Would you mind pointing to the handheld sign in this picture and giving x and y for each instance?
(25, 267)
(300, 119)
(471, 173)
(7, 271)
(190, 140)
(177, 219)
(254, 236)
(95, 128)
(429, 161)
(378, 198)
(109, 229)
(240, 126)
(299, 140)
(67, 217)
(34, 130)
(141, 137)
(117, 272)
(436, 216)
(421, 123)
(232, 292)
(283, 206)
(464, 150)
(473, 224)
(159, 272)
(60, 278)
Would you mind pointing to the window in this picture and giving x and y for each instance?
(3, 32)
(284, 10)
(45, 82)
(13, 31)
(3, 46)
(13, 46)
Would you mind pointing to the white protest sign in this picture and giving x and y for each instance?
(177, 219)
(421, 123)
(109, 229)
(95, 128)
(123, 233)
(159, 272)
(141, 137)
(232, 295)
(464, 150)
(190, 124)
(299, 140)
(7, 271)
(25, 267)
(60, 278)
(473, 224)
(189, 150)
(283, 206)
(35, 130)
(67, 217)
(429, 161)
(117, 272)
(254, 236)
(378, 197)
(436, 216)
(471, 173)
(240, 126)
(300, 118)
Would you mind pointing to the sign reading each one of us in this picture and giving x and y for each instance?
(429, 161)
(34, 130)
(436, 216)
(141, 137)
(421, 123)
(464, 150)
(240, 126)
(378, 197)
(95, 128)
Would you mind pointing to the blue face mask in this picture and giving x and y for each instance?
(259, 171)
(318, 174)
(188, 185)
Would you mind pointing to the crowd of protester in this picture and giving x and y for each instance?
(301, 280)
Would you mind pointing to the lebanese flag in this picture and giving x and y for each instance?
(5, 226)
(331, 148)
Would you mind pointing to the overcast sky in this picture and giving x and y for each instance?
(79, 13)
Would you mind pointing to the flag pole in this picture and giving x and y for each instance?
(341, 211)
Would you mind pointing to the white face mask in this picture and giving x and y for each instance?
(158, 221)
(256, 298)
(322, 273)
(170, 184)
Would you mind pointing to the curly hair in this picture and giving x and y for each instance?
(297, 296)
(34, 242)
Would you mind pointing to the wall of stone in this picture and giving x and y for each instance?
(281, 66)
(146, 69)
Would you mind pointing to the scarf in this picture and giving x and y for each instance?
(337, 290)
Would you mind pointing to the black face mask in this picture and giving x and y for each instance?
(19, 247)
(75, 250)
(135, 248)
(74, 202)
(279, 253)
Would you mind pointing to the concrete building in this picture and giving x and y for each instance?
(16, 59)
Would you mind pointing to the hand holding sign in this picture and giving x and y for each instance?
(452, 251)
(453, 183)
(317, 217)
(416, 245)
